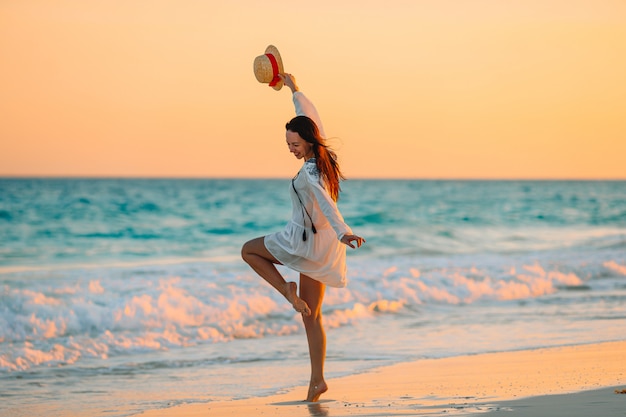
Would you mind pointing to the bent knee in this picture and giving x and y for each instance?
(250, 248)
(245, 250)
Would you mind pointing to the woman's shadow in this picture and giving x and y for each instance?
(316, 409)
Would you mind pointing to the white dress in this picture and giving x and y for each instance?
(321, 256)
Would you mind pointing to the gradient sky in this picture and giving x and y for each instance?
(406, 89)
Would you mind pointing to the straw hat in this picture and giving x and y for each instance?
(268, 66)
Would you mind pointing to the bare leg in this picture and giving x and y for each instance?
(312, 292)
(261, 260)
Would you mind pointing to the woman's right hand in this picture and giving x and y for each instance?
(290, 81)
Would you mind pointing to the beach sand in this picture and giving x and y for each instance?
(565, 381)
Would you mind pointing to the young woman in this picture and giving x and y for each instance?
(313, 241)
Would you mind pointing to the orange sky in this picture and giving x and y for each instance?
(415, 88)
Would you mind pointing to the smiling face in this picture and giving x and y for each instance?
(299, 147)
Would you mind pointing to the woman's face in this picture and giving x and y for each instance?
(299, 147)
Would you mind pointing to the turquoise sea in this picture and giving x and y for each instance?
(122, 295)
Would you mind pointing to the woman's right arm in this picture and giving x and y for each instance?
(304, 106)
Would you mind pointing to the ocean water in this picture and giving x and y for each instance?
(122, 295)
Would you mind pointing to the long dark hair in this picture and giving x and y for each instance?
(325, 158)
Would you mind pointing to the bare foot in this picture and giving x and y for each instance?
(316, 390)
(298, 303)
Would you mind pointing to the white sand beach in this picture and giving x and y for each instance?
(565, 381)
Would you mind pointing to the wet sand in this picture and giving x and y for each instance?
(567, 381)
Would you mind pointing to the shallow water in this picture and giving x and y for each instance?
(133, 290)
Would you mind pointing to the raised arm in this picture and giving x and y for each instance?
(304, 106)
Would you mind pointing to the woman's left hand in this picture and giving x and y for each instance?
(348, 239)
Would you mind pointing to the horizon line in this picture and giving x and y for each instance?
(184, 177)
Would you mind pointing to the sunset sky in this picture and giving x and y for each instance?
(406, 89)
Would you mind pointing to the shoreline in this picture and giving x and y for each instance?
(519, 383)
